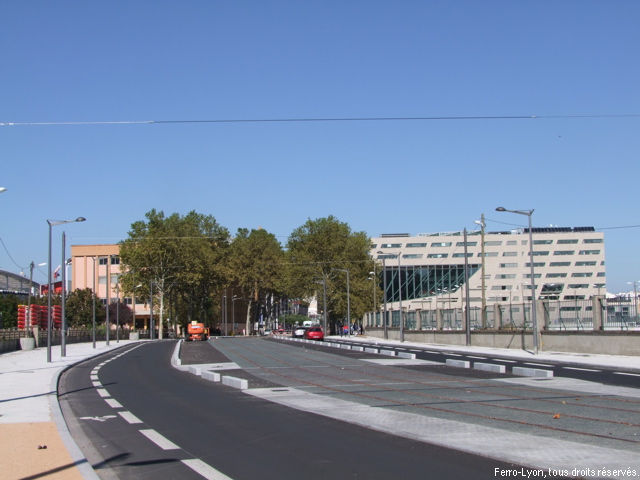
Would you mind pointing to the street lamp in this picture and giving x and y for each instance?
(51, 224)
(348, 299)
(384, 294)
(3, 189)
(483, 225)
(373, 281)
(534, 318)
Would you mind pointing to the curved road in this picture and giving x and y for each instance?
(135, 416)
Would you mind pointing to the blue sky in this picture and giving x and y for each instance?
(194, 60)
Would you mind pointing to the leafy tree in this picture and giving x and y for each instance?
(9, 310)
(180, 258)
(79, 308)
(319, 251)
(255, 267)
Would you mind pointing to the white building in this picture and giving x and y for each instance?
(569, 264)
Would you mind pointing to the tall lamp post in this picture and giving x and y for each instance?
(534, 318)
(53, 223)
(384, 295)
(348, 300)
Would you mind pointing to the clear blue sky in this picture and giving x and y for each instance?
(193, 60)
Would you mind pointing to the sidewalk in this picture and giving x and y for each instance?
(30, 417)
(34, 440)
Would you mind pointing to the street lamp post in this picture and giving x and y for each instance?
(400, 299)
(534, 318)
(384, 296)
(348, 300)
(93, 302)
(63, 324)
(53, 223)
(484, 295)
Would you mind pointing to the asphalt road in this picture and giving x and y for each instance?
(225, 432)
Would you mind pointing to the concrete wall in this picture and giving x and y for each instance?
(599, 342)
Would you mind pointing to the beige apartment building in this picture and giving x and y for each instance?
(97, 267)
(569, 264)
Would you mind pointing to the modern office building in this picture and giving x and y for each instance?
(569, 264)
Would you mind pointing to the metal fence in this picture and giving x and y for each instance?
(616, 314)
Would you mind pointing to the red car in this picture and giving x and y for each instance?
(314, 333)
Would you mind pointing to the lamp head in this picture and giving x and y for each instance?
(501, 209)
(80, 219)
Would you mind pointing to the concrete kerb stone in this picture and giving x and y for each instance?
(489, 367)
(196, 370)
(235, 382)
(411, 356)
(211, 376)
(450, 362)
(390, 353)
(371, 350)
(532, 372)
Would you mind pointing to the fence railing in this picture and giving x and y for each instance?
(594, 314)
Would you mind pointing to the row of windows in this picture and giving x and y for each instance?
(491, 243)
(502, 276)
(590, 263)
(115, 260)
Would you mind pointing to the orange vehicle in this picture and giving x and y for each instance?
(197, 331)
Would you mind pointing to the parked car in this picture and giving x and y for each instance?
(314, 333)
(298, 332)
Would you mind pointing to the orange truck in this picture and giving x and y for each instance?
(196, 331)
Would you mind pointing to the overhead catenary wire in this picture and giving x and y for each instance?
(322, 119)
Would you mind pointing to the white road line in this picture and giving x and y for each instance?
(113, 403)
(453, 354)
(129, 417)
(414, 350)
(97, 384)
(625, 373)
(103, 392)
(503, 360)
(539, 364)
(479, 358)
(581, 369)
(207, 471)
(94, 377)
(159, 440)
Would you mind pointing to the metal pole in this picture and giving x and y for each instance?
(533, 289)
(63, 324)
(400, 300)
(151, 335)
(108, 294)
(27, 321)
(484, 290)
(117, 311)
(384, 298)
(49, 299)
(348, 304)
(467, 316)
(93, 326)
(324, 300)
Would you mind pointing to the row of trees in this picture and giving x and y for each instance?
(189, 262)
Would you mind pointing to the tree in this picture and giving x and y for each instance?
(79, 308)
(255, 268)
(177, 258)
(319, 251)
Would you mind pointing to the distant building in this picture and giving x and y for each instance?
(97, 267)
(14, 284)
(569, 264)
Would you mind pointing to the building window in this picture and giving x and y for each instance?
(387, 256)
(469, 244)
(504, 276)
(560, 264)
(508, 265)
(542, 242)
(102, 261)
(585, 264)
(542, 253)
(564, 252)
(556, 275)
(502, 287)
(412, 255)
(567, 241)
(373, 245)
(573, 297)
(115, 260)
(489, 254)
(512, 242)
(535, 264)
(602, 274)
(582, 274)
(510, 254)
(492, 243)
(441, 244)
(416, 245)
(528, 275)
(461, 255)
(391, 245)
(592, 240)
(102, 280)
(589, 252)
(127, 300)
(438, 255)
(578, 285)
